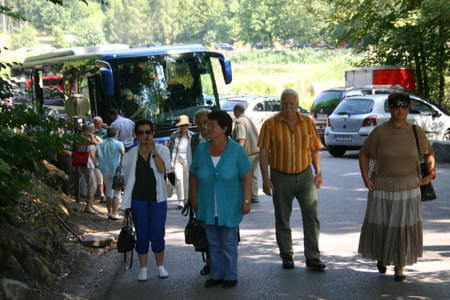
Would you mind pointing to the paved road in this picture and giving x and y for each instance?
(342, 203)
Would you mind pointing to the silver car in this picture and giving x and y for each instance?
(354, 118)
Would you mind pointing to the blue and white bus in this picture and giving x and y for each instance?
(158, 83)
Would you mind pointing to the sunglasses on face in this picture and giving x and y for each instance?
(399, 105)
(141, 132)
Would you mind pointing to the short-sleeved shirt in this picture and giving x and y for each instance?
(125, 129)
(289, 150)
(100, 133)
(108, 154)
(397, 162)
(222, 181)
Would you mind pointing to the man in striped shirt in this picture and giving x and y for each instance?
(289, 143)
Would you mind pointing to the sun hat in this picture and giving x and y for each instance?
(184, 120)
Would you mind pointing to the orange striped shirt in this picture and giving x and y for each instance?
(289, 150)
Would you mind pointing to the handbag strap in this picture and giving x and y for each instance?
(128, 221)
(417, 140)
(187, 209)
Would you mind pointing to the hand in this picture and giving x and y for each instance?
(246, 207)
(426, 180)
(318, 180)
(267, 187)
(127, 211)
(369, 184)
(194, 204)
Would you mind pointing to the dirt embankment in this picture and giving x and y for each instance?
(40, 259)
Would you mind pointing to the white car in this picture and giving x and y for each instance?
(258, 109)
(354, 118)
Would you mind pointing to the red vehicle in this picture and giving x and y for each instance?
(50, 82)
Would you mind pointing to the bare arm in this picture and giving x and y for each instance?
(430, 162)
(241, 142)
(246, 181)
(264, 166)
(122, 153)
(316, 163)
(364, 167)
(193, 185)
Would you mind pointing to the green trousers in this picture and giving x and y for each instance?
(300, 186)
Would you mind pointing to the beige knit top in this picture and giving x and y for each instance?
(397, 166)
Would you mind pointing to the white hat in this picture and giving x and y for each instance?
(184, 120)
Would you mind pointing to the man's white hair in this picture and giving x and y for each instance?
(289, 92)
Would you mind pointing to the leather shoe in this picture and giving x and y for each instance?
(288, 262)
(381, 268)
(229, 283)
(212, 282)
(315, 265)
(205, 270)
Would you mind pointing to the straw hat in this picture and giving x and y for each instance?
(184, 120)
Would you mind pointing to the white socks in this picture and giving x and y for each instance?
(143, 273)
(162, 272)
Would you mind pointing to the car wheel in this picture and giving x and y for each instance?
(446, 136)
(336, 151)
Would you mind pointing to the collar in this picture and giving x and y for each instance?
(280, 117)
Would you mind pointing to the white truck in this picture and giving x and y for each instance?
(380, 75)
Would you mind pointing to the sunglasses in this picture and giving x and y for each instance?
(399, 105)
(141, 132)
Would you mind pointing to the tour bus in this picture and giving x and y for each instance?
(158, 83)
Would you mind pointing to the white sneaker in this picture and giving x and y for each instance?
(162, 272)
(115, 217)
(143, 274)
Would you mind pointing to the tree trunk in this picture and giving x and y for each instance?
(440, 65)
(426, 88)
(419, 82)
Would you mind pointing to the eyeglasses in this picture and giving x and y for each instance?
(141, 132)
(399, 105)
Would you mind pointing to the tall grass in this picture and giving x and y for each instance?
(268, 72)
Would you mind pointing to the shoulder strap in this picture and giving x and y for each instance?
(417, 140)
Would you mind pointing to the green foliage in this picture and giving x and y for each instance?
(25, 38)
(26, 139)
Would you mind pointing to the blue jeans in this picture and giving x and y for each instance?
(149, 218)
(223, 251)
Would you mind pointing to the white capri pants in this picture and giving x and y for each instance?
(107, 183)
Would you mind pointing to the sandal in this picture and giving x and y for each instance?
(89, 211)
(399, 277)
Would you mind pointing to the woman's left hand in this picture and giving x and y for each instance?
(246, 207)
(426, 180)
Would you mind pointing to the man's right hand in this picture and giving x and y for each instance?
(267, 187)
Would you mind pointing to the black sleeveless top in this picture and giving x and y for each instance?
(145, 184)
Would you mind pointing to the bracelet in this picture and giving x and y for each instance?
(433, 175)
(246, 201)
(319, 173)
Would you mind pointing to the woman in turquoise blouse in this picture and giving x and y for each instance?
(219, 190)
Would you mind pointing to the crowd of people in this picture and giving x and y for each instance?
(216, 173)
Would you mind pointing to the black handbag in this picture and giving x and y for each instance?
(118, 182)
(171, 177)
(194, 232)
(126, 241)
(427, 191)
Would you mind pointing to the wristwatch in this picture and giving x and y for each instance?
(246, 201)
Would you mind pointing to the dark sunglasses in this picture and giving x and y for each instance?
(400, 104)
(141, 132)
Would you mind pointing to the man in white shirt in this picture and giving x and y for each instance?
(125, 128)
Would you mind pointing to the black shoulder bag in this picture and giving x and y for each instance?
(194, 232)
(126, 241)
(427, 191)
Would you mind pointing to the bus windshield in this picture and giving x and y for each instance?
(161, 88)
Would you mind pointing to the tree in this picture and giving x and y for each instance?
(407, 32)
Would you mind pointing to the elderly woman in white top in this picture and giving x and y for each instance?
(145, 195)
(179, 146)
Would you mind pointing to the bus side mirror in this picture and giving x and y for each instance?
(226, 69)
(108, 81)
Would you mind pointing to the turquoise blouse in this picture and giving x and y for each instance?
(224, 179)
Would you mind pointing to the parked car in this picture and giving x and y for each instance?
(354, 118)
(258, 109)
(224, 46)
(324, 104)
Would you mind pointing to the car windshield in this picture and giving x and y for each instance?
(354, 107)
(326, 102)
(228, 105)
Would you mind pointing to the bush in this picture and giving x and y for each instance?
(25, 38)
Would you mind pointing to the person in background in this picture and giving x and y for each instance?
(87, 131)
(100, 129)
(109, 157)
(179, 145)
(289, 143)
(130, 108)
(392, 231)
(145, 195)
(219, 191)
(125, 128)
(201, 120)
(246, 134)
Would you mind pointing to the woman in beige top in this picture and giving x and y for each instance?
(392, 228)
